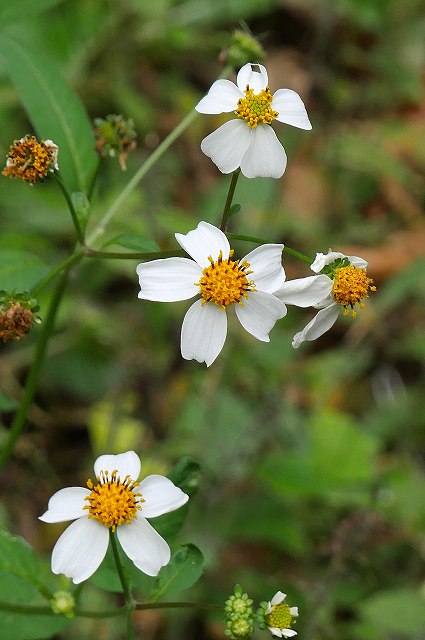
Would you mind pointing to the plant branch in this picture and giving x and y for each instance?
(229, 199)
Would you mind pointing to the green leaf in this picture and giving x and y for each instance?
(134, 242)
(20, 270)
(19, 10)
(19, 582)
(183, 570)
(235, 208)
(400, 613)
(6, 403)
(55, 111)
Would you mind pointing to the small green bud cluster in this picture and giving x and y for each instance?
(339, 263)
(63, 603)
(261, 615)
(239, 615)
(242, 48)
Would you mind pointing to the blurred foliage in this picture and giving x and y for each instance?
(313, 460)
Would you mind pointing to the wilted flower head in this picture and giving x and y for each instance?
(223, 283)
(249, 141)
(116, 502)
(277, 616)
(17, 315)
(115, 134)
(30, 159)
(347, 286)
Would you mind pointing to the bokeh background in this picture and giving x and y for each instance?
(313, 460)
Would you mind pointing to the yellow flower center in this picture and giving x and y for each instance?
(279, 617)
(256, 108)
(112, 501)
(351, 286)
(28, 159)
(225, 282)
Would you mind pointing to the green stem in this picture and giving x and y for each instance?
(129, 602)
(46, 611)
(229, 199)
(80, 234)
(72, 259)
(145, 167)
(31, 381)
(116, 255)
(292, 252)
(177, 605)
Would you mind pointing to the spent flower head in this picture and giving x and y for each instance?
(116, 502)
(240, 617)
(31, 160)
(249, 142)
(17, 315)
(277, 616)
(115, 135)
(223, 283)
(347, 285)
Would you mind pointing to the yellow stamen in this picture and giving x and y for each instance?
(351, 286)
(112, 501)
(279, 617)
(29, 159)
(225, 282)
(256, 108)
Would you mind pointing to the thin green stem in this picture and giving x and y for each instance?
(129, 602)
(116, 255)
(177, 605)
(31, 381)
(229, 199)
(144, 168)
(72, 259)
(80, 234)
(29, 609)
(292, 252)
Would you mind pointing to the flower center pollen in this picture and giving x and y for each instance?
(280, 617)
(256, 108)
(112, 501)
(351, 286)
(225, 282)
(29, 159)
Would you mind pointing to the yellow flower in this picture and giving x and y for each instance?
(30, 159)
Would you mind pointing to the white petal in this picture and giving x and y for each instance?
(127, 464)
(321, 323)
(305, 292)
(204, 331)
(160, 495)
(294, 612)
(358, 262)
(168, 279)
(259, 313)
(228, 144)
(66, 504)
(291, 109)
(288, 633)
(80, 549)
(275, 631)
(323, 259)
(253, 74)
(266, 266)
(221, 98)
(278, 597)
(265, 156)
(206, 240)
(144, 546)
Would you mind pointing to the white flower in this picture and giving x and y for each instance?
(278, 616)
(246, 285)
(347, 284)
(249, 142)
(116, 502)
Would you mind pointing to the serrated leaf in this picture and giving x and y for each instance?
(183, 570)
(18, 569)
(134, 242)
(19, 10)
(54, 109)
(20, 270)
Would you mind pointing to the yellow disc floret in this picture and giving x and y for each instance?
(225, 282)
(113, 501)
(279, 617)
(29, 159)
(351, 286)
(256, 108)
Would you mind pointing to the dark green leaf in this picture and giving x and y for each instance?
(55, 111)
(23, 10)
(183, 570)
(20, 270)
